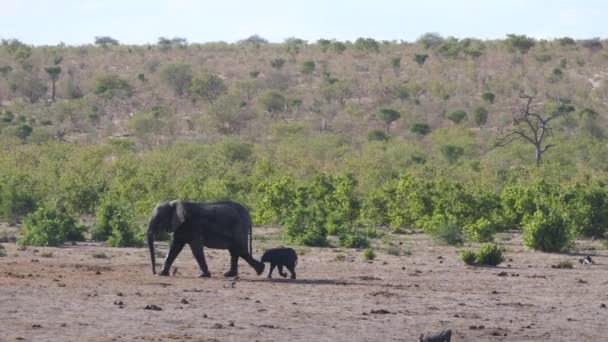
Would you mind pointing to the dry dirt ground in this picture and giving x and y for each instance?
(88, 292)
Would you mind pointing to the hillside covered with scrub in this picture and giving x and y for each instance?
(461, 138)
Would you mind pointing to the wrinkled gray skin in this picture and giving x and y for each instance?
(220, 225)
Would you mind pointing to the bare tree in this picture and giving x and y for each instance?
(533, 127)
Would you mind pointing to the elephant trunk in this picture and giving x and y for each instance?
(151, 245)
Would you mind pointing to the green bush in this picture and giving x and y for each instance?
(377, 135)
(521, 43)
(468, 256)
(547, 232)
(305, 224)
(277, 63)
(107, 209)
(273, 102)
(208, 87)
(445, 230)
(489, 254)
(451, 152)
(178, 77)
(110, 86)
(421, 129)
(308, 67)
(50, 227)
(353, 239)
(488, 97)
(16, 198)
(420, 59)
(481, 116)
(124, 230)
(457, 116)
(482, 230)
(369, 254)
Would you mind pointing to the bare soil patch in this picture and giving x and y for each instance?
(74, 296)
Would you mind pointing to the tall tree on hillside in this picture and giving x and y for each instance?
(208, 87)
(388, 116)
(532, 126)
(54, 72)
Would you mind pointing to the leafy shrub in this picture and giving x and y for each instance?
(489, 254)
(430, 40)
(369, 254)
(367, 45)
(277, 63)
(521, 43)
(468, 256)
(123, 230)
(451, 152)
(273, 101)
(481, 116)
(377, 135)
(308, 67)
(323, 205)
(208, 87)
(457, 116)
(420, 59)
(445, 230)
(353, 239)
(421, 129)
(547, 232)
(16, 198)
(488, 97)
(110, 86)
(276, 198)
(107, 209)
(178, 77)
(396, 63)
(566, 41)
(482, 230)
(388, 116)
(50, 227)
(338, 47)
(2, 251)
(588, 208)
(305, 224)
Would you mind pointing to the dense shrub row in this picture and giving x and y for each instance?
(49, 187)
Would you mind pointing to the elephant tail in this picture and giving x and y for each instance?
(250, 238)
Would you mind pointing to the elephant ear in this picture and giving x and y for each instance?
(179, 214)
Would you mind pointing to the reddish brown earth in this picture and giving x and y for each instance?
(73, 296)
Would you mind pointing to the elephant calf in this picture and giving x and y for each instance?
(281, 257)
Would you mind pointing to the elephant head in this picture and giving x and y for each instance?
(169, 216)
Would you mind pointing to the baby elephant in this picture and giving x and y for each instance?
(442, 336)
(281, 257)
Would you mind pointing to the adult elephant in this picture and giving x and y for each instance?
(222, 225)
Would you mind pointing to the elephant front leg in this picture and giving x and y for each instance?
(199, 255)
(176, 246)
(234, 264)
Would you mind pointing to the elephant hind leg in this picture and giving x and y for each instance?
(283, 274)
(292, 270)
(234, 264)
